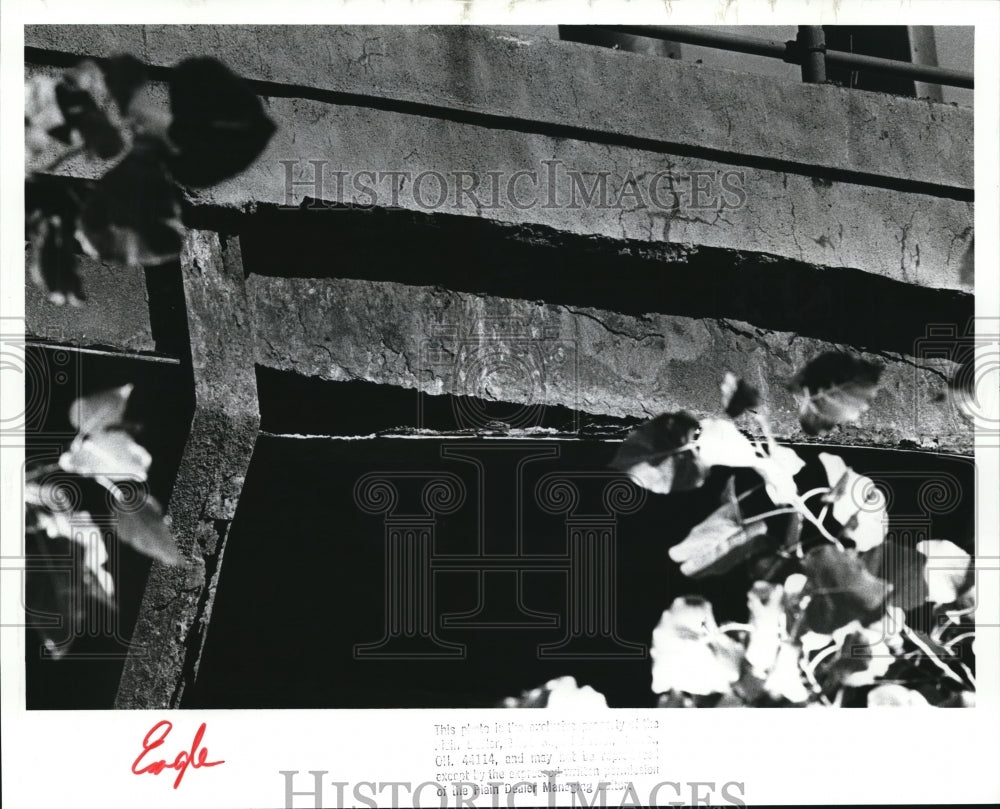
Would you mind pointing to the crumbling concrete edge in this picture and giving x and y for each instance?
(176, 608)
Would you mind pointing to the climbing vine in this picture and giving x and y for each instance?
(830, 597)
(139, 148)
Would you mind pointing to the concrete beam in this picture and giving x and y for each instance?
(444, 342)
(544, 82)
(910, 237)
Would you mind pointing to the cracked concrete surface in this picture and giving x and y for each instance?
(177, 604)
(360, 153)
(538, 79)
(444, 342)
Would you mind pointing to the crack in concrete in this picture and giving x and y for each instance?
(902, 358)
(612, 330)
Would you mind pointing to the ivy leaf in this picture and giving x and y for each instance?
(737, 395)
(948, 572)
(147, 530)
(133, 213)
(95, 555)
(219, 126)
(88, 107)
(42, 117)
(778, 470)
(863, 656)
(124, 75)
(110, 454)
(767, 618)
(720, 443)
(100, 411)
(784, 681)
(894, 695)
(77, 527)
(660, 454)
(57, 597)
(720, 542)
(689, 652)
(561, 693)
(856, 503)
(834, 389)
(841, 589)
(53, 606)
(904, 568)
(52, 262)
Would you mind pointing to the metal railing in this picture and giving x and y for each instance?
(808, 50)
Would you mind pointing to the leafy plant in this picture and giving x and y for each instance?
(829, 594)
(103, 454)
(105, 110)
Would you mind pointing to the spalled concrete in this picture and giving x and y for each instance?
(444, 342)
(539, 80)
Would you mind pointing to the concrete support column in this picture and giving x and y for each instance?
(176, 607)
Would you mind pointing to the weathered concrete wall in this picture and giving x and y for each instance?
(444, 342)
(911, 237)
(545, 81)
(833, 179)
(116, 313)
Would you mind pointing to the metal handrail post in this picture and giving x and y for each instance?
(812, 46)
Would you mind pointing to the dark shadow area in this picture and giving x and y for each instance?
(466, 254)
(160, 409)
(306, 573)
(884, 41)
(291, 403)
(167, 310)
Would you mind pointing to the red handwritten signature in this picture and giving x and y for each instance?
(184, 759)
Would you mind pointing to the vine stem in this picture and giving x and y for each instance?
(69, 153)
(810, 668)
(929, 652)
(32, 475)
(955, 640)
(766, 429)
(797, 502)
(733, 626)
(768, 514)
(805, 512)
(940, 629)
(109, 484)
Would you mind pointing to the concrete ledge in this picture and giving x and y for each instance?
(115, 314)
(540, 81)
(444, 342)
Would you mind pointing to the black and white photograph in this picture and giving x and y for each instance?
(599, 365)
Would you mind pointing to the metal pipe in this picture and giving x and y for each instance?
(928, 73)
(812, 48)
(791, 52)
(708, 38)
